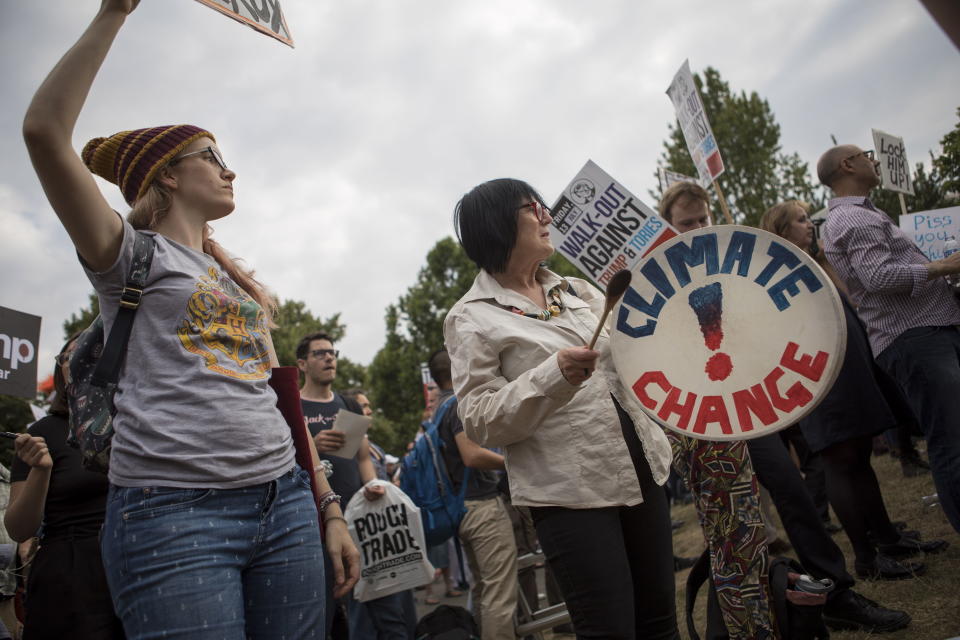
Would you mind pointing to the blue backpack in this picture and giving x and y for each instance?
(425, 480)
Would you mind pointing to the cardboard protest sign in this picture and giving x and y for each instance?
(601, 227)
(930, 230)
(695, 126)
(894, 168)
(668, 178)
(19, 337)
(263, 15)
(728, 333)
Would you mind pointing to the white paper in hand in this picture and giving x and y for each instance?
(354, 426)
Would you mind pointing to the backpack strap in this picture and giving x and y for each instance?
(107, 370)
(441, 468)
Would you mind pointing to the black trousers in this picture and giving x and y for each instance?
(67, 594)
(816, 550)
(614, 565)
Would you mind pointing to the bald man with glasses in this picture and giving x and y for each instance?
(910, 311)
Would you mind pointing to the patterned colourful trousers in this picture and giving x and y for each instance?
(721, 479)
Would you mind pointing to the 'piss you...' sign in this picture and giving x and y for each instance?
(728, 333)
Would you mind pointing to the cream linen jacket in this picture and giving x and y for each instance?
(562, 443)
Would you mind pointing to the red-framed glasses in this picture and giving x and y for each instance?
(538, 210)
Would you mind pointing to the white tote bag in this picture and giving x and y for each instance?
(389, 535)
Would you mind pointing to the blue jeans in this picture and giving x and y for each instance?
(216, 563)
(925, 362)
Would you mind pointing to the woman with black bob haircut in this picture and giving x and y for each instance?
(579, 451)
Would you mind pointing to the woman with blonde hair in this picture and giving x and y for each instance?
(210, 525)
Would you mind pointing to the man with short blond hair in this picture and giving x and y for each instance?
(686, 206)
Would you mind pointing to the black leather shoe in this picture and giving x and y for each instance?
(885, 568)
(910, 546)
(850, 610)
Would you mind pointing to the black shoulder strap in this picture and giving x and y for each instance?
(115, 346)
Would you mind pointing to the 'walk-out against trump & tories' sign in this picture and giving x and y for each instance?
(601, 227)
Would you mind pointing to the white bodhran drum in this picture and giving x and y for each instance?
(728, 333)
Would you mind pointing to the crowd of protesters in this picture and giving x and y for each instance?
(210, 524)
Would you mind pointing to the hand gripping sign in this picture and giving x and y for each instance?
(728, 333)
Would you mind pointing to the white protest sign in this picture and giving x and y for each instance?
(695, 126)
(668, 178)
(19, 337)
(894, 168)
(601, 227)
(930, 230)
(728, 333)
(263, 15)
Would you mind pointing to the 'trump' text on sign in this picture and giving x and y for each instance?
(19, 337)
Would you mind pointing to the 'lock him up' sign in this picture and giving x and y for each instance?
(728, 333)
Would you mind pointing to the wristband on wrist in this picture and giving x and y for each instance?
(326, 500)
(329, 519)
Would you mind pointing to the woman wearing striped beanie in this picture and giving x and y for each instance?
(210, 527)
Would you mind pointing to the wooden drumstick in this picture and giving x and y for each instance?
(615, 289)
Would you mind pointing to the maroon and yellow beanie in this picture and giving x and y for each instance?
(131, 159)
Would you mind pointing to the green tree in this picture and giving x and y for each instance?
(757, 173)
(947, 164)
(80, 320)
(414, 331)
(294, 321)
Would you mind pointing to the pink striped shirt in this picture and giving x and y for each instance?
(885, 272)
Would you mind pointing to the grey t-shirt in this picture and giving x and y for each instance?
(193, 405)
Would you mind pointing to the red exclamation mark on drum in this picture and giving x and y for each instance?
(707, 303)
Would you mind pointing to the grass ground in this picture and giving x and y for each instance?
(932, 599)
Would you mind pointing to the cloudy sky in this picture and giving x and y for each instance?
(352, 149)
